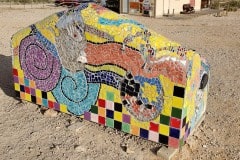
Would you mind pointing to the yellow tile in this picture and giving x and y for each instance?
(168, 86)
(20, 73)
(50, 97)
(118, 116)
(167, 107)
(102, 93)
(81, 116)
(17, 37)
(28, 97)
(124, 110)
(16, 63)
(157, 120)
(16, 86)
(164, 129)
(177, 102)
(117, 97)
(145, 125)
(38, 93)
(63, 108)
(135, 122)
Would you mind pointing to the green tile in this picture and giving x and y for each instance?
(110, 96)
(110, 122)
(182, 142)
(94, 109)
(164, 119)
(176, 112)
(184, 112)
(126, 127)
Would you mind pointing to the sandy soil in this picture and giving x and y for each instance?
(25, 133)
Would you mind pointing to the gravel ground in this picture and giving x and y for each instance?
(27, 133)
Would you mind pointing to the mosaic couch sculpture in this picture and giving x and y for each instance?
(91, 62)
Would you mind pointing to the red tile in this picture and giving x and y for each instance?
(175, 122)
(15, 72)
(101, 103)
(50, 104)
(101, 120)
(27, 90)
(154, 127)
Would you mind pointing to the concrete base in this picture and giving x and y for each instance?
(166, 153)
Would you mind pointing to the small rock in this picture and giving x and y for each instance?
(80, 148)
(57, 128)
(50, 113)
(129, 151)
(204, 146)
(76, 126)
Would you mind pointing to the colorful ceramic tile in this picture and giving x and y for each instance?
(91, 62)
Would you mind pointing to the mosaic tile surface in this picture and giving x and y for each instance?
(112, 70)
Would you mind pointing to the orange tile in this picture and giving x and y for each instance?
(102, 111)
(135, 130)
(22, 95)
(39, 101)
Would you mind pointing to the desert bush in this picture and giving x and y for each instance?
(231, 5)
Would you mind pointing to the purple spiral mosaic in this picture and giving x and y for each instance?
(39, 64)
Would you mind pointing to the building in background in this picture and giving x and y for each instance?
(155, 8)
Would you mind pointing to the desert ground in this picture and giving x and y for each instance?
(27, 132)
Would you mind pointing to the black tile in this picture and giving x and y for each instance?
(137, 87)
(118, 125)
(123, 85)
(22, 88)
(124, 102)
(129, 76)
(125, 81)
(33, 98)
(17, 93)
(129, 88)
(132, 82)
(130, 93)
(118, 107)
(44, 95)
(178, 91)
(163, 139)
(122, 94)
(135, 94)
(184, 122)
(139, 102)
(148, 106)
(186, 127)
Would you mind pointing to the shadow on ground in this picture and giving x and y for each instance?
(6, 79)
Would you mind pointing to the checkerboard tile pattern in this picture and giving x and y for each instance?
(26, 89)
(170, 128)
(165, 129)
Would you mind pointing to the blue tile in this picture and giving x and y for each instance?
(174, 133)
(143, 133)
